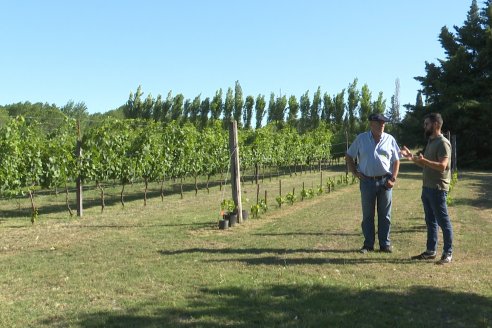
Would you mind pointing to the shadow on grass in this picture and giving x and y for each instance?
(288, 261)
(339, 233)
(413, 229)
(299, 306)
(482, 182)
(253, 251)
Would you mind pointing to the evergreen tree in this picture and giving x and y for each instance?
(460, 86)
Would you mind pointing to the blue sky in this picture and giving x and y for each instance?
(98, 51)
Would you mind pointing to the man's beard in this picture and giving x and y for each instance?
(427, 133)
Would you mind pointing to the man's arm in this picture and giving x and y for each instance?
(440, 166)
(351, 166)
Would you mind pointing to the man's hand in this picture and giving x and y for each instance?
(405, 152)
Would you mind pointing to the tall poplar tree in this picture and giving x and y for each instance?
(228, 106)
(379, 106)
(339, 108)
(204, 110)
(365, 107)
(394, 109)
(293, 111)
(166, 107)
(248, 111)
(271, 108)
(195, 109)
(304, 106)
(352, 104)
(315, 109)
(327, 112)
(216, 105)
(260, 109)
(238, 103)
(177, 108)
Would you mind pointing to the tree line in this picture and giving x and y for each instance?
(346, 109)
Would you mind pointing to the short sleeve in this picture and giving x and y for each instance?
(354, 148)
(444, 150)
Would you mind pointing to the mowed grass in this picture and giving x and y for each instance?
(167, 264)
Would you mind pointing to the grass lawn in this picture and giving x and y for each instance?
(167, 264)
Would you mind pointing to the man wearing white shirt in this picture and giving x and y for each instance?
(377, 155)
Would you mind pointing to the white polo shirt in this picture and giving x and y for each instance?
(374, 159)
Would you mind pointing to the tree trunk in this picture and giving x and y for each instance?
(66, 200)
(145, 191)
(162, 190)
(34, 210)
(121, 195)
(103, 205)
(181, 187)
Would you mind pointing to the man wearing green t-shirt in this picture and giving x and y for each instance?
(436, 178)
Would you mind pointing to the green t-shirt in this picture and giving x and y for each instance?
(437, 148)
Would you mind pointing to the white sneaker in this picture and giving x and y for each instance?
(445, 258)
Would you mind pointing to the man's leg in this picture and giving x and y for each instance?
(368, 201)
(384, 200)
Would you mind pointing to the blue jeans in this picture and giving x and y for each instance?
(436, 213)
(374, 193)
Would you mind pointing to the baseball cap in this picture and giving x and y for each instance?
(378, 117)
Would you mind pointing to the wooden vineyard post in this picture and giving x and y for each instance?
(80, 208)
(280, 192)
(235, 172)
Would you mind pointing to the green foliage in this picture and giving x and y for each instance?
(280, 200)
(260, 207)
(228, 205)
(460, 88)
(290, 198)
